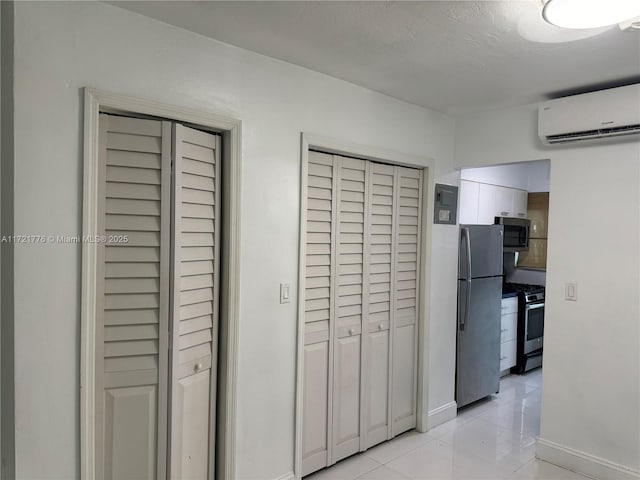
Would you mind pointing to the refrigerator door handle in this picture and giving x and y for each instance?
(465, 318)
(467, 238)
(467, 306)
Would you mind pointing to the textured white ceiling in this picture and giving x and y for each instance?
(453, 56)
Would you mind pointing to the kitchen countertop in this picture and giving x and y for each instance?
(509, 294)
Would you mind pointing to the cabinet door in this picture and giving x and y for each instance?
(486, 204)
(503, 201)
(195, 258)
(509, 327)
(509, 305)
(508, 352)
(519, 203)
(469, 192)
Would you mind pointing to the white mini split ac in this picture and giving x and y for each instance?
(607, 114)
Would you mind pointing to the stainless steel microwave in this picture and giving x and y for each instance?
(516, 233)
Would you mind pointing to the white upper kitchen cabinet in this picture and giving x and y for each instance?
(510, 202)
(486, 203)
(520, 201)
(503, 198)
(480, 203)
(469, 192)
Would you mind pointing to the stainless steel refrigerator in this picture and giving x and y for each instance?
(479, 302)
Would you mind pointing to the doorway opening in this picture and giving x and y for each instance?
(514, 197)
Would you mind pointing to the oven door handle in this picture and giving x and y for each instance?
(534, 306)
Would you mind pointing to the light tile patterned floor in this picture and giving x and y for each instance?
(492, 439)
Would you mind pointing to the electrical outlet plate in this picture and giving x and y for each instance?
(571, 291)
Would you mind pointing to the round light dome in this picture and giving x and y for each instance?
(589, 13)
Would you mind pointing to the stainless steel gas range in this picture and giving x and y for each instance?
(530, 325)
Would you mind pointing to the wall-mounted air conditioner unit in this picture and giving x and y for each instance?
(607, 114)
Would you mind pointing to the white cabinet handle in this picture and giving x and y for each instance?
(381, 326)
(197, 367)
(504, 214)
(503, 358)
(351, 331)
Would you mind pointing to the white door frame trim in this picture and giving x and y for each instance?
(332, 145)
(96, 102)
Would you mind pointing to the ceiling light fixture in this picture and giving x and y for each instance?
(630, 25)
(589, 13)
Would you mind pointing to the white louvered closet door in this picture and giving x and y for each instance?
(408, 199)
(319, 310)
(348, 296)
(132, 304)
(195, 253)
(378, 303)
(361, 283)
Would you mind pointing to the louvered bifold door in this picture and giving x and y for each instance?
(195, 262)
(378, 304)
(348, 296)
(319, 309)
(407, 214)
(132, 304)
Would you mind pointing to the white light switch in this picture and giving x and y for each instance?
(285, 293)
(571, 291)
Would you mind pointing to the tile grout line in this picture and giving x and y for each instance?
(403, 453)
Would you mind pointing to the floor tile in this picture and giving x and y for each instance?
(532, 378)
(494, 444)
(520, 418)
(493, 438)
(383, 473)
(478, 408)
(441, 461)
(347, 469)
(400, 445)
(539, 470)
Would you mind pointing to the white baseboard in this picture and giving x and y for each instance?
(286, 476)
(442, 414)
(583, 462)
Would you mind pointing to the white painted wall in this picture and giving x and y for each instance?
(530, 176)
(538, 176)
(591, 379)
(591, 384)
(62, 47)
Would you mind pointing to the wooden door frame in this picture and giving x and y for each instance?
(427, 165)
(99, 101)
